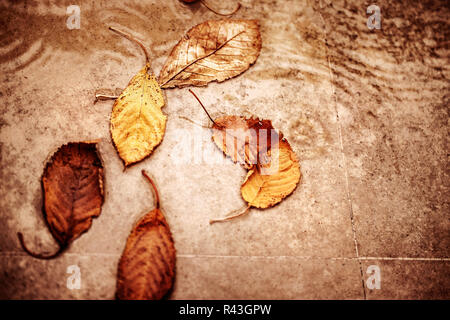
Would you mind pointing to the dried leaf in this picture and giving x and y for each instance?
(137, 122)
(212, 51)
(268, 184)
(274, 170)
(245, 141)
(147, 266)
(266, 190)
(73, 193)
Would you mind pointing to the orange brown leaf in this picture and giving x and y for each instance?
(73, 193)
(147, 266)
(274, 169)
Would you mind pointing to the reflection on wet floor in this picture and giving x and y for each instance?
(32, 31)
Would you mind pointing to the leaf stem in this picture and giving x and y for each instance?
(123, 34)
(104, 97)
(193, 122)
(39, 255)
(207, 113)
(246, 210)
(220, 13)
(154, 188)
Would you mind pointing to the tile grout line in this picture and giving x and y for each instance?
(104, 254)
(262, 257)
(404, 258)
(344, 160)
(314, 257)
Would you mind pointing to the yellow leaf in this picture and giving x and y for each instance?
(137, 122)
(266, 190)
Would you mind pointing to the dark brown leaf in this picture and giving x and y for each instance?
(73, 193)
(147, 266)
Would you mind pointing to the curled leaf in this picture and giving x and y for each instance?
(279, 180)
(147, 266)
(245, 141)
(212, 51)
(274, 169)
(137, 122)
(268, 184)
(73, 193)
